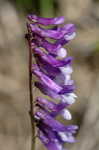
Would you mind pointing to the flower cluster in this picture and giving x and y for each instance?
(53, 70)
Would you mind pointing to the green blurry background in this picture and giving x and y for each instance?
(15, 128)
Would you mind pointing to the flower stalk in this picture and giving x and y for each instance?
(31, 112)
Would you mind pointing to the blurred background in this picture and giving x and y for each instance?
(15, 128)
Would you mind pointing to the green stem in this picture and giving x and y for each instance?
(46, 8)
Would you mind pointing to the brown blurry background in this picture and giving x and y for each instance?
(15, 128)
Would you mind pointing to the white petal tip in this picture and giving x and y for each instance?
(66, 70)
(62, 53)
(70, 37)
(66, 114)
(68, 99)
(63, 136)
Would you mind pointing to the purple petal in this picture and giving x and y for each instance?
(67, 99)
(59, 108)
(46, 104)
(54, 124)
(49, 105)
(46, 21)
(51, 60)
(42, 42)
(56, 136)
(45, 90)
(61, 78)
(48, 33)
(46, 80)
(70, 28)
(52, 48)
(48, 69)
(51, 33)
(72, 128)
(52, 135)
(68, 37)
(67, 89)
(49, 121)
(67, 137)
(50, 145)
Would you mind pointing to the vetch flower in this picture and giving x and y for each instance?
(53, 69)
(56, 34)
(46, 21)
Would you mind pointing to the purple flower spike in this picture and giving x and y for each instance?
(53, 70)
(46, 21)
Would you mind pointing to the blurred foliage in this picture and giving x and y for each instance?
(96, 0)
(26, 5)
(44, 8)
(97, 47)
(47, 8)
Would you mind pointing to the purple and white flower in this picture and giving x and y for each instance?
(53, 71)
